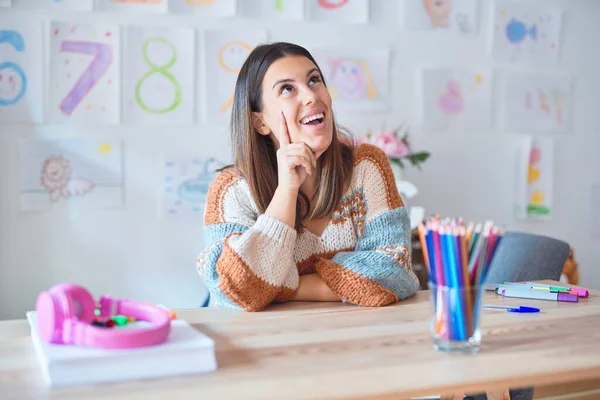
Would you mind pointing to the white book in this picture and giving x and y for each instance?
(186, 351)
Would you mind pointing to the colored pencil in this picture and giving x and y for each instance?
(458, 257)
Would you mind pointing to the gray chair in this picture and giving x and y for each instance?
(523, 256)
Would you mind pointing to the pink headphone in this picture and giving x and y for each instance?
(65, 314)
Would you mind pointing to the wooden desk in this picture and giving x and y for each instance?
(331, 350)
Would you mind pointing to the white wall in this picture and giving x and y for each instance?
(130, 252)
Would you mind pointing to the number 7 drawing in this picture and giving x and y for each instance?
(92, 74)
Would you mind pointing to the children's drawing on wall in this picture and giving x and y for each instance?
(535, 175)
(142, 6)
(455, 97)
(226, 52)
(357, 80)
(537, 103)
(205, 8)
(291, 10)
(524, 34)
(186, 182)
(350, 11)
(84, 73)
(75, 5)
(21, 73)
(160, 75)
(446, 15)
(78, 172)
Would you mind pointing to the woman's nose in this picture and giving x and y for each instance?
(310, 97)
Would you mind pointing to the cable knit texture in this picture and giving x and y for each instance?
(363, 254)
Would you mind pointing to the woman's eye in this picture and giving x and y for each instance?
(314, 79)
(286, 89)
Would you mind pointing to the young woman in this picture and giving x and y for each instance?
(302, 214)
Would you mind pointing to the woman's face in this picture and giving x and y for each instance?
(294, 86)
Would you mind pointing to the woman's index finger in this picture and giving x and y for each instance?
(284, 136)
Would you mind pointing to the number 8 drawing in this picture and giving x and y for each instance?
(16, 40)
(162, 70)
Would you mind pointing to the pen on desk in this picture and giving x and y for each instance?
(519, 309)
(581, 292)
(526, 293)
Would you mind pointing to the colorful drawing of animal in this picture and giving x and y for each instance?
(351, 79)
(56, 179)
(438, 12)
(517, 31)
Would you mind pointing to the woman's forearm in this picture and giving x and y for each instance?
(283, 206)
(313, 288)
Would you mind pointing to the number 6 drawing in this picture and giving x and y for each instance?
(92, 74)
(16, 40)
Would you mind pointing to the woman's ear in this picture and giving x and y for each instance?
(258, 122)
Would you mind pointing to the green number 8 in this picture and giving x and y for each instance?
(162, 70)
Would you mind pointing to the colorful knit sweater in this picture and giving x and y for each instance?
(363, 255)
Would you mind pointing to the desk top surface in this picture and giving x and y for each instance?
(334, 350)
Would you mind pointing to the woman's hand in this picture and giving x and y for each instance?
(312, 288)
(295, 161)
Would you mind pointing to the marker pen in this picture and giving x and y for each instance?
(581, 292)
(526, 293)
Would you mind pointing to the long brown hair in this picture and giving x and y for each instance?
(255, 154)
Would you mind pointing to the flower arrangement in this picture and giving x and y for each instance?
(396, 145)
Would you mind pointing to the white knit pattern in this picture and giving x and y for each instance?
(266, 248)
(369, 178)
(307, 244)
(340, 236)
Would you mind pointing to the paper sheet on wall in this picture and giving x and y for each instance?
(358, 80)
(537, 103)
(83, 173)
(76, 5)
(455, 98)
(291, 10)
(204, 8)
(526, 34)
(225, 53)
(535, 179)
(84, 73)
(445, 15)
(595, 210)
(21, 71)
(186, 182)
(134, 6)
(159, 75)
(351, 11)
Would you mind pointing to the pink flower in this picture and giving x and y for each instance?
(391, 144)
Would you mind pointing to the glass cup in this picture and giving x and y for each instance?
(455, 321)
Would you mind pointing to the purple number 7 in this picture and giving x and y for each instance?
(92, 74)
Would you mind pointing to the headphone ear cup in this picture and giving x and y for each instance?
(63, 304)
(80, 303)
(50, 317)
